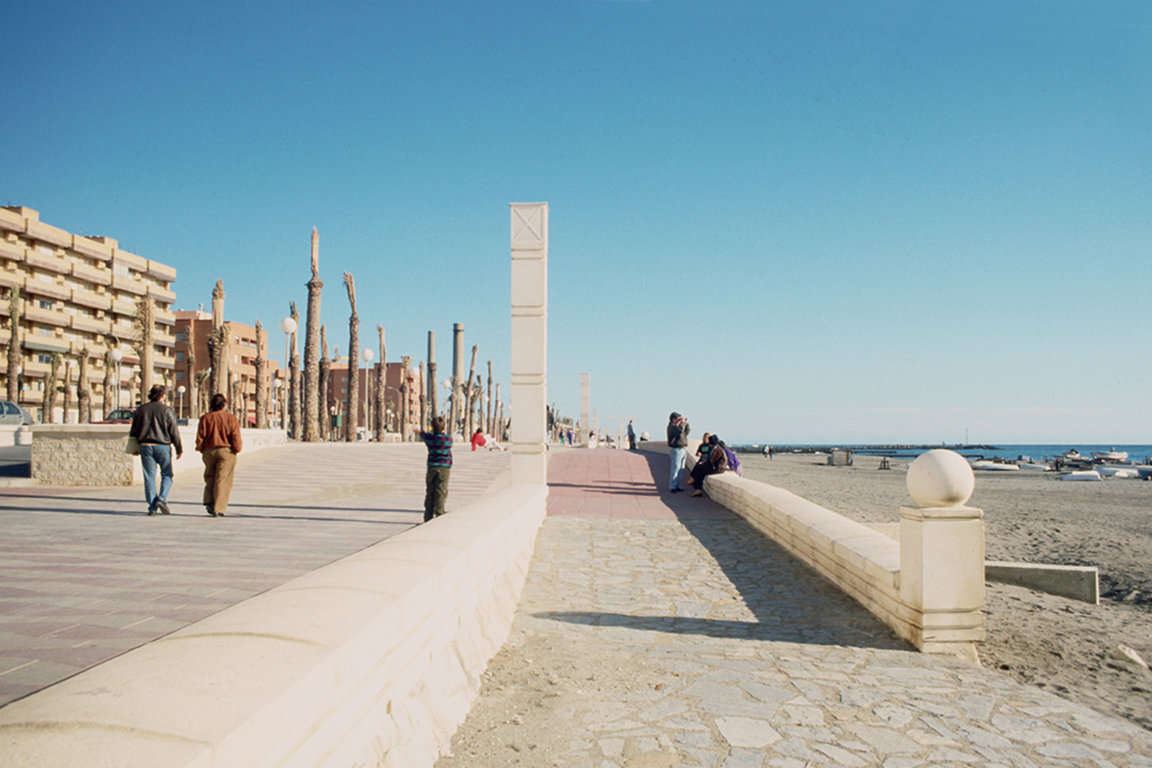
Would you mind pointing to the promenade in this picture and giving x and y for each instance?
(86, 575)
(659, 630)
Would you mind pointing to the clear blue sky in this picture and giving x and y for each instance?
(791, 221)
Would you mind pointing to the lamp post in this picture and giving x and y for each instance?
(117, 356)
(288, 325)
(180, 390)
(367, 354)
(276, 384)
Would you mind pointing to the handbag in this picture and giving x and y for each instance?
(132, 446)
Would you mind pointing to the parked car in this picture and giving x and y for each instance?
(120, 416)
(11, 413)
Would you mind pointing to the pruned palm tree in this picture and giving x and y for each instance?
(352, 415)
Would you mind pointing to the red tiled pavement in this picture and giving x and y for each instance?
(607, 483)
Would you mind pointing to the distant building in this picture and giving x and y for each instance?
(192, 329)
(338, 382)
(79, 293)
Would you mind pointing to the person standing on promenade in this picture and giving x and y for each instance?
(439, 467)
(154, 427)
(678, 443)
(218, 440)
(631, 436)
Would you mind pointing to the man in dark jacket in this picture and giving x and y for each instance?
(154, 427)
(678, 444)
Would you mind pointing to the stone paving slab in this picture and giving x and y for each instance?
(667, 632)
(86, 575)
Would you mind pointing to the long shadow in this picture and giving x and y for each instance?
(95, 499)
(139, 511)
(790, 600)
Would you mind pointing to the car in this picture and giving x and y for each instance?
(120, 416)
(11, 413)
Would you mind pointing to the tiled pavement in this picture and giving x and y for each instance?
(658, 630)
(85, 575)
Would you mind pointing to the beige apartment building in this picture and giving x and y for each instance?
(79, 296)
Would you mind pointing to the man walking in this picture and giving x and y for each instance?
(439, 467)
(631, 436)
(154, 427)
(678, 443)
(218, 440)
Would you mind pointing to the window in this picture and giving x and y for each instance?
(121, 270)
(43, 331)
(181, 337)
(179, 356)
(42, 358)
(179, 375)
(45, 304)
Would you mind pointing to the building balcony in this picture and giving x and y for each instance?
(51, 263)
(163, 339)
(129, 285)
(94, 248)
(90, 299)
(11, 250)
(161, 272)
(38, 230)
(10, 278)
(165, 317)
(92, 274)
(130, 260)
(40, 288)
(124, 307)
(164, 361)
(161, 294)
(90, 324)
(46, 316)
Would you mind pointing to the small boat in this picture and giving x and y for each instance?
(1112, 455)
(1085, 475)
(994, 466)
(1117, 470)
(1034, 466)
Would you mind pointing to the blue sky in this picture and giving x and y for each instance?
(791, 221)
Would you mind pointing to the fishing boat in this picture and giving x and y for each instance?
(1112, 455)
(1084, 475)
(1035, 466)
(1117, 470)
(993, 466)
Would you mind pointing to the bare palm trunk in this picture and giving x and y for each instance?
(469, 395)
(405, 399)
(50, 390)
(67, 393)
(489, 405)
(145, 328)
(312, 408)
(190, 374)
(381, 390)
(350, 410)
(294, 426)
(83, 393)
(15, 348)
(433, 406)
(423, 404)
(325, 366)
(110, 383)
(261, 379)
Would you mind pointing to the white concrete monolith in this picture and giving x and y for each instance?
(529, 348)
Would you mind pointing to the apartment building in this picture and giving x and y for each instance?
(192, 329)
(79, 297)
(339, 381)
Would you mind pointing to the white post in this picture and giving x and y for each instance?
(942, 556)
(585, 400)
(529, 347)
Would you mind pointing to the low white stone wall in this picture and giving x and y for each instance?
(373, 660)
(93, 454)
(15, 434)
(938, 605)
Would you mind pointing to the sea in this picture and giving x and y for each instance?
(1139, 454)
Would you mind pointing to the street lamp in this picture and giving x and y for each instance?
(117, 356)
(276, 384)
(288, 325)
(367, 354)
(180, 390)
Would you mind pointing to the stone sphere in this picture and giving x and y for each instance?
(940, 478)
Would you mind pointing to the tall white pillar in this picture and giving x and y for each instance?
(529, 348)
(585, 401)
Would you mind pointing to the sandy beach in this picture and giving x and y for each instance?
(1071, 648)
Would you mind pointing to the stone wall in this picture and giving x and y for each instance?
(70, 455)
(373, 660)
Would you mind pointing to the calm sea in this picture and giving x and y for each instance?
(1136, 453)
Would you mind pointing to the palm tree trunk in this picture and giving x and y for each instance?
(294, 426)
(145, 343)
(469, 395)
(83, 393)
(325, 366)
(381, 399)
(430, 382)
(50, 390)
(15, 349)
(488, 405)
(312, 349)
(261, 379)
(351, 414)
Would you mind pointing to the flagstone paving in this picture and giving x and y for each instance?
(660, 630)
(86, 575)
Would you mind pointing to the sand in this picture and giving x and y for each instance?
(1092, 654)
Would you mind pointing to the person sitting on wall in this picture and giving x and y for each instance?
(714, 463)
(702, 452)
(478, 439)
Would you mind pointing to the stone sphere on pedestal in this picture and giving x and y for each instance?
(940, 478)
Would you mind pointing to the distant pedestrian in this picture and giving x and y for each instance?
(478, 439)
(631, 436)
(155, 429)
(439, 468)
(218, 440)
(678, 444)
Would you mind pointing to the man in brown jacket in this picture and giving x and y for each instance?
(218, 440)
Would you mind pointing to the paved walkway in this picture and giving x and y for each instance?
(86, 575)
(659, 630)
